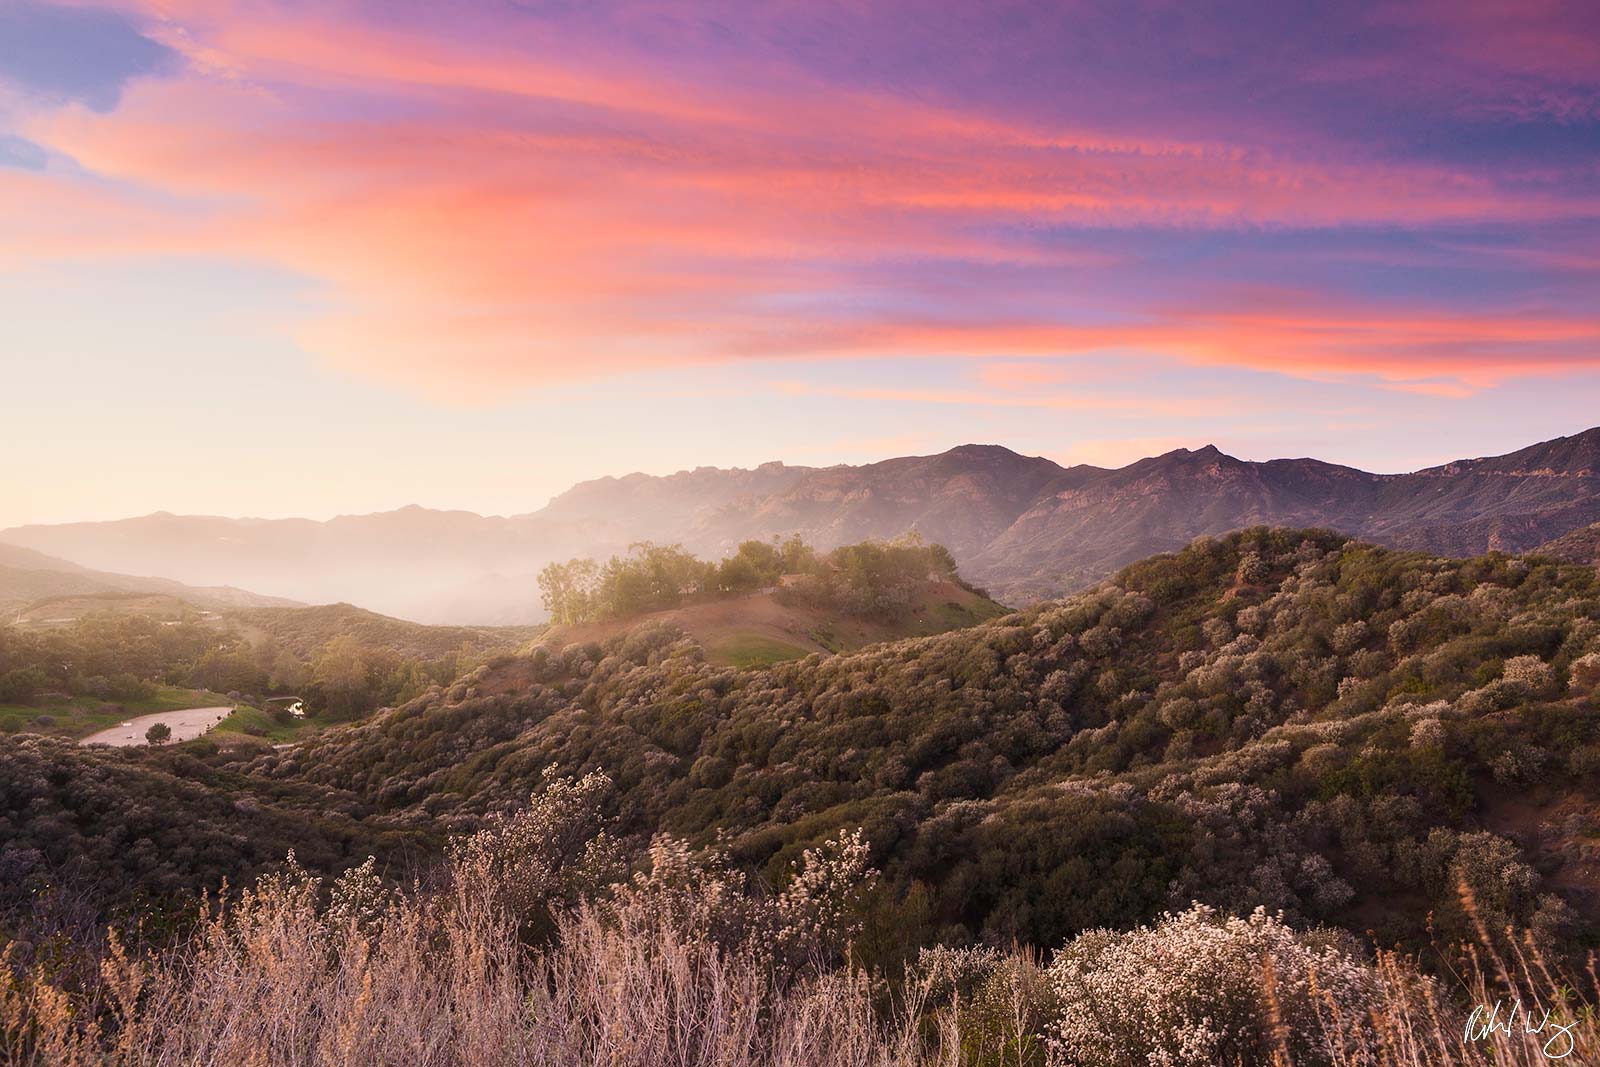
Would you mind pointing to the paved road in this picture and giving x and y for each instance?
(186, 724)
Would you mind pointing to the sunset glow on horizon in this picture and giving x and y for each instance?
(465, 255)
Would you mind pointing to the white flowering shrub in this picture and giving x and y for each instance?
(1349, 636)
(1179, 713)
(1496, 696)
(1519, 765)
(818, 910)
(544, 857)
(1428, 734)
(702, 896)
(1489, 873)
(1530, 675)
(1322, 759)
(1586, 673)
(1059, 685)
(1253, 570)
(1254, 619)
(1491, 602)
(1197, 989)
(359, 898)
(1350, 687)
(1101, 641)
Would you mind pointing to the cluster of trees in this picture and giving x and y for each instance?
(874, 578)
(655, 577)
(340, 678)
(105, 655)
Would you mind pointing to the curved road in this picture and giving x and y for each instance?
(186, 725)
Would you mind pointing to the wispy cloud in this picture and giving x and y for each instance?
(502, 201)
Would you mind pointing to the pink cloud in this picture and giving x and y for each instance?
(488, 217)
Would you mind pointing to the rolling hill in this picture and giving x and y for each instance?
(39, 589)
(304, 630)
(1024, 527)
(761, 629)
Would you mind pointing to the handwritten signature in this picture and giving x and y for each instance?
(1488, 1020)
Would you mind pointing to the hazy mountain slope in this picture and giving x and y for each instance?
(1509, 503)
(457, 567)
(1025, 527)
(1087, 524)
(403, 563)
(27, 576)
(673, 502)
(961, 499)
(19, 586)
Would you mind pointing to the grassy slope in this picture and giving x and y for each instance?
(81, 716)
(758, 630)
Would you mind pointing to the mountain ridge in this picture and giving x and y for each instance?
(1024, 526)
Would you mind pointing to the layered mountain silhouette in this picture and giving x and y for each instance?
(1023, 526)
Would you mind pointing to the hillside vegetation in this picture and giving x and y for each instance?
(1278, 718)
(533, 945)
(1316, 737)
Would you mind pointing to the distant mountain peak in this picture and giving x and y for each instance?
(1185, 456)
(974, 449)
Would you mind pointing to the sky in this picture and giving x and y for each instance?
(310, 257)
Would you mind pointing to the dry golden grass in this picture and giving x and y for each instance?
(683, 966)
